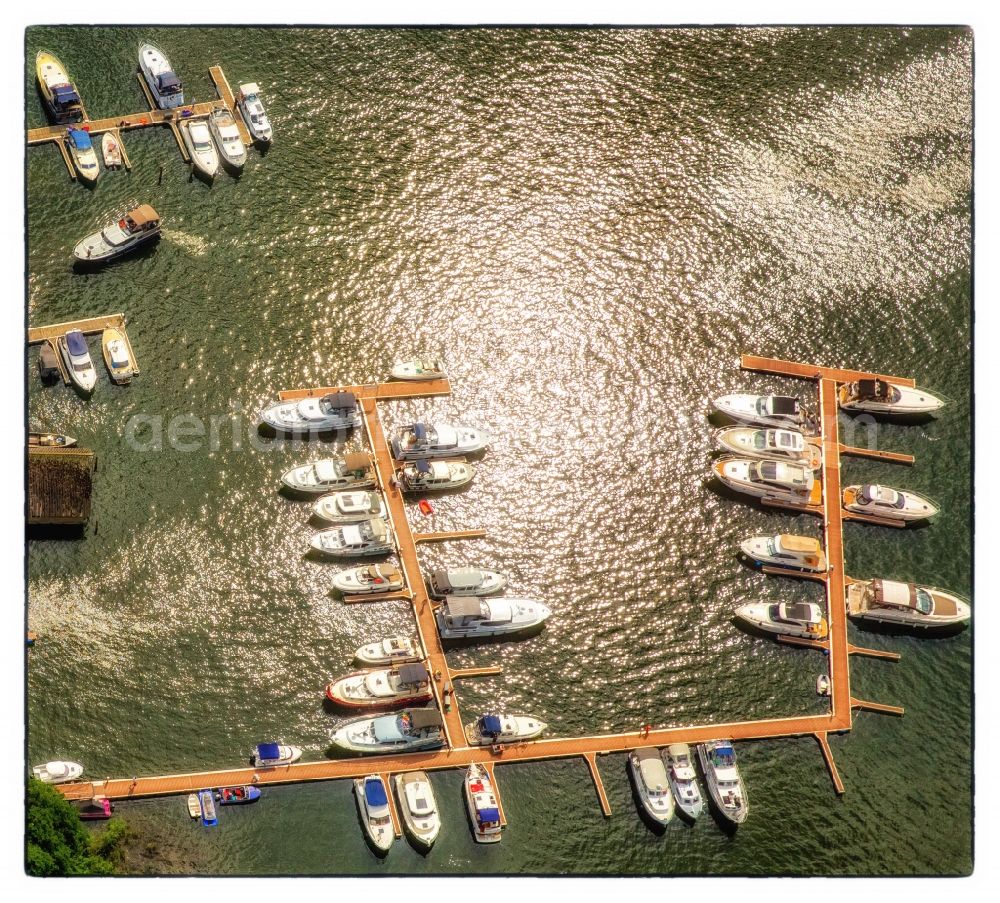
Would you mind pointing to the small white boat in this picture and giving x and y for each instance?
(133, 230)
(803, 553)
(770, 479)
(354, 471)
(649, 777)
(252, 108)
(116, 356)
(418, 807)
(111, 151)
(76, 356)
(227, 138)
(267, 755)
(801, 619)
(503, 728)
(876, 396)
(399, 685)
(471, 616)
(371, 578)
(370, 537)
(166, 87)
(684, 780)
(781, 445)
(194, 805)
(419, 369)
(725, 784)
(905, 604)
(426, 476)
(81, 151)
(373, 805)
(198, 140)
(823, 685)
(779, 411)
(350, 506)
(481, 803)
(390, 651)
(62, 100)
(437, 440)
(464, 582)
(407, 731)
(57, 772)
(884, 501)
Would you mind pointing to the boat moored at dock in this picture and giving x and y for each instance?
(684, 780)
(401, 685)
(437, 440)
(780, 411)
(128, 233)
(166, 87)
(268, 755)
(350, 507)
(227, 138)
(781, 445)
(899, 604)
(198, 140)
(97, 808)
(472, 616)
(390, 651)
(407, 731)
(354, 471)
(209, 818)
(445, 582)
(82, 153)
(503, 728)
(418, 807)
(426, 476)
(373, 806)
(76, 357)
(57, 772)
(111, 150)
(419, 369)
(799, 619)
(371, 578)
(876, 396)
(802, 553)
(725, 784)
(769, 479)
(482, 806)
(237, 796)
(50, 440)
(117, 359)
(649, 777)
(252, 108)
(370, 537)
(883, 501)
(62, 100)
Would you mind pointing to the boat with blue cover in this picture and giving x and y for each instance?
(237, 796)
(208, 815)
(266, 755)
(373, 807)
(62, 100)
(166, 87)
(83, 155)
(76, 356)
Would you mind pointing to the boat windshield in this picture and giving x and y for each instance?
(202, 146)
(925, 604)
(760, 440)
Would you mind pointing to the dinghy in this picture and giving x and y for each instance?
(116, 356)
(208, 816)
(237, 796)
(111, 151)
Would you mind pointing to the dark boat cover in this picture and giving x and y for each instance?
(47, 358)
(64, 95)
(423, 466)
(341, 401)
(357, 461)
(375, 793)
(490, 724)
(785, 406)
(420, 718)
(268, 751)
(76, 342)
(420, 432)
(412, 674)
(169, 83)
(488, 815)
(464, 606)
(79, 139)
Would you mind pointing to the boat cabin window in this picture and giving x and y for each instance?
(925, 604)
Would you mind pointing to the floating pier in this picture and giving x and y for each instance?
(88, 326)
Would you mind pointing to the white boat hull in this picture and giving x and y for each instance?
(422, 828)
(916, 507)
(742, 409)
(57, 772)
(733, 815)
(659, 813)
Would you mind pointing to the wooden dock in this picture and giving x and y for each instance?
(88, 326)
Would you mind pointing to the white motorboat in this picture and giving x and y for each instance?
(166, 87)
(370, 537)
(372, 578)
(725, 784)
(803, 553)
(81, 151)
(354, 471)
(337, 411)
(883, 501)
(373, 806)
(426, 476)
(781, 445)
(268, 755)
(684, 780)
(198, 140)
(390, 651)
(649, 777)
(57, 772)
(464, 582)
(76, 356)
(437, 440)
(503, 728)
(111, 150)
(250, 105)
(779, 411)
(117, 359)
(770, 479)
(905, 604)
(62, 100)
(801, 619)
(50, 440)
(128, 233)
(471, 616)
(407, 731)
(482, 806)
(400, 685)
(350, 506)
(227, 138)
(418, 808)
(419, 369)
(876, 396)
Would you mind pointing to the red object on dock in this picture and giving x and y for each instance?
(425, 507)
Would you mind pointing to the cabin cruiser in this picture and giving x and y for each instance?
(249, 102)
(786, 550)
(651, 784)
(782, 445)
(882, 501)
(876, 396)
(425, 476)
(166, 87)
(198, 140)
(905, 604)
(373, 806)
(464, 582)
(470, 616)
(350, 506)
(50, 440)
(337, 411)
(500, 728)
(267, 755)
(683, 780)
(402, 685)
(370, 537)
(57, 772)
(437, 440)
(725, 784)
(62, 100)
(779, 411)
(81, 150)
(76, 356)
(769, 479)
(481, 803)
(418, 807)
(116, 356)
(390, 651)
(371, 578)
(419, 368)
(801, 619)
(227, 138)
(354, 471)
(407, 731)
(134, 229)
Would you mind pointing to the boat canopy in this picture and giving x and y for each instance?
(357, 461)
(784, 405)
(168, 82)
(375, 793)
(64, 95)
(142, 215)
(423, 466)
(80, 139)
(876, 389)
(882, 494)
(376, 526)
(793, 543)
(76, 342)
(249, 89)
(384, 571)
(412, 674)
(341, 401)
(421, 718)
(803, 611)
(268, 751)
(487, 816)
(490, 724)
(420, 432)
(890, 592)
(464, 606)
(457, 578)
(647, 752)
